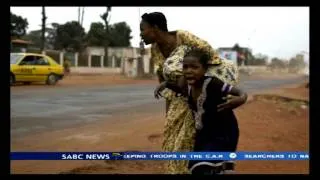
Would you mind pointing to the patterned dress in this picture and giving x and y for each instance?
(179, 128)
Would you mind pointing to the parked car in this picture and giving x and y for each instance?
(31, 67)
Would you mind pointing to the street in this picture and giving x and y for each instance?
(40, 110)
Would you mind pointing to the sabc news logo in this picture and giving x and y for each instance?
(116, 156)
(232, 155)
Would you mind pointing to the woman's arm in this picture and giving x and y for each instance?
(229, 70)
(172, 69)
(189, 39)
(156, 59)
(159, 74)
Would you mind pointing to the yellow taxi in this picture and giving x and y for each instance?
(31, 67)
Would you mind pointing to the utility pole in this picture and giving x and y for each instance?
(140, 60)
(105, 17)
(79, 14)
(43, 29)
(140, 63)
(82, 16)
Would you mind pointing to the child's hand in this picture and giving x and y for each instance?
(231, 103)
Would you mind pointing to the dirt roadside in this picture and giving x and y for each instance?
(111, 80)
(87, 80)
(266, 124)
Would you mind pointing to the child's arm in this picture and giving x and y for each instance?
(222, 89)
(238, 97)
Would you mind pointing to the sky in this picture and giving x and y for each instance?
(274, 31)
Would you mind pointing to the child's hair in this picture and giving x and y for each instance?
(203, 56)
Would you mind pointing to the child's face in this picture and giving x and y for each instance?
(193, 70)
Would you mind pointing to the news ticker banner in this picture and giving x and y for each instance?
(159, 156)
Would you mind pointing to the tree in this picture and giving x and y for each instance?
(70, 36)
(34, 37)
(277, 64)
(120, 35)
(18, 25)
(258, 60)
(297, 63)
(236, 47)
(96, 35)
(50, 36)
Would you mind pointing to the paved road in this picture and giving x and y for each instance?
(47, 109)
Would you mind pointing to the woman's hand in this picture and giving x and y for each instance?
(232, 102)
(159, 88)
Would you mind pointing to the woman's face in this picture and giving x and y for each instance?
(193, 70)
(147, 33)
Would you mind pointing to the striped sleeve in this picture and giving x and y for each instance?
(226, 88)
(219, 87)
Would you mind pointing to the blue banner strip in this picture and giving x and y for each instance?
(159, 156)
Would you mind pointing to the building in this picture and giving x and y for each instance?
(244, 54)
(19, 45)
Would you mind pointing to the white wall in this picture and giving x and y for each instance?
(94, 70)
(128, 68)
(96, 51)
